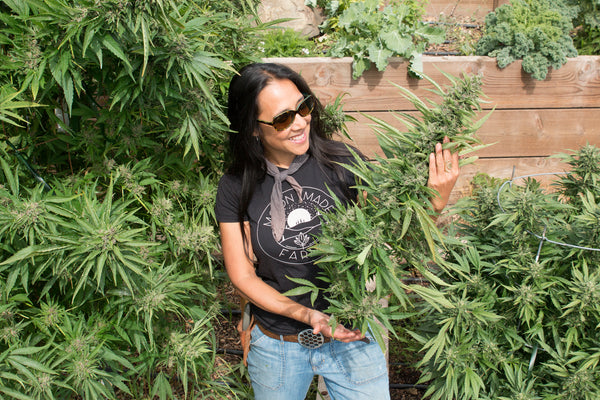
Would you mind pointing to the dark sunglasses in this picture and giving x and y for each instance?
(285, 119)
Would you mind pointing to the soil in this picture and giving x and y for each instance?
(462, 35)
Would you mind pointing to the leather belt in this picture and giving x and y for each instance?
(306, 338)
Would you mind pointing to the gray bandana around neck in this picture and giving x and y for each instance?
(277, 209)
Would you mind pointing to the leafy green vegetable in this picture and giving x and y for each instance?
(535, 31)
(278, 42)
(370, 33)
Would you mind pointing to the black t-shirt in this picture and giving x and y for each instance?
(276, 261)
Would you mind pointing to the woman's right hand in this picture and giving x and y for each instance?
(320, 324)
(243, 276)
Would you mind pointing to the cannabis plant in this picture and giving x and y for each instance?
(10, 104)
(334, 119)
(368, 249)
(107, 285)
(522, 290)
(120, 79)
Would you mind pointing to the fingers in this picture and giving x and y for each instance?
(447, 156)
(443, 160)
(432, 165)
(439, 158)
(455, 162)
(341, 333)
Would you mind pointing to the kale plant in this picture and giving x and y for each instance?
(535, 31)
(370, 33)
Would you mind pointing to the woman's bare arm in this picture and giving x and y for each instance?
(243, 276)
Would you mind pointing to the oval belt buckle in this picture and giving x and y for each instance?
(309, 340)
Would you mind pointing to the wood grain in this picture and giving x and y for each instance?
(575, 84)
(465, 8)
(510, 133)
(531, 121)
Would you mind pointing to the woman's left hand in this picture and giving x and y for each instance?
(443, 173)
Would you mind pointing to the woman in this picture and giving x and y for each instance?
(268, 205)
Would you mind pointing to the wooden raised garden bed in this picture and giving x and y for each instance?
(471, 8)
(531, 121)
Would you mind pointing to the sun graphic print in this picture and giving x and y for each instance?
(302, 224)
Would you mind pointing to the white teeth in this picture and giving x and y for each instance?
(298, 138)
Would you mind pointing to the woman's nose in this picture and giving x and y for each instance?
(299, 122)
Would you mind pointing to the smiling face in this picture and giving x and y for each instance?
(281, 147)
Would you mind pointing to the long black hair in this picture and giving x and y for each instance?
(247, 158)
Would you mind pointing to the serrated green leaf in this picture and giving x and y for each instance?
(115, 48)
(17, 360)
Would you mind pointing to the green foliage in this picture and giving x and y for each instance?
(587, 41)
(588, 12)
(126, 80)
(371, 33)
(334, 119)
(587, 22)
(107, 285)
(523, 286)
(333, 10)
(535, 31)
(286, 43)
(366, 250)
(584, 181)
(9, 106)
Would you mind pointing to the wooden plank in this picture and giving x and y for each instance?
(515, 133)
(533, 119)
(575, 84)
(503, 168)
(461, 8)
(466, 8)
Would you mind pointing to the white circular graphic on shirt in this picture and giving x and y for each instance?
(302, 223)
(298, 216)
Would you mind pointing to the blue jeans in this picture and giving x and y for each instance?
(282, 370)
